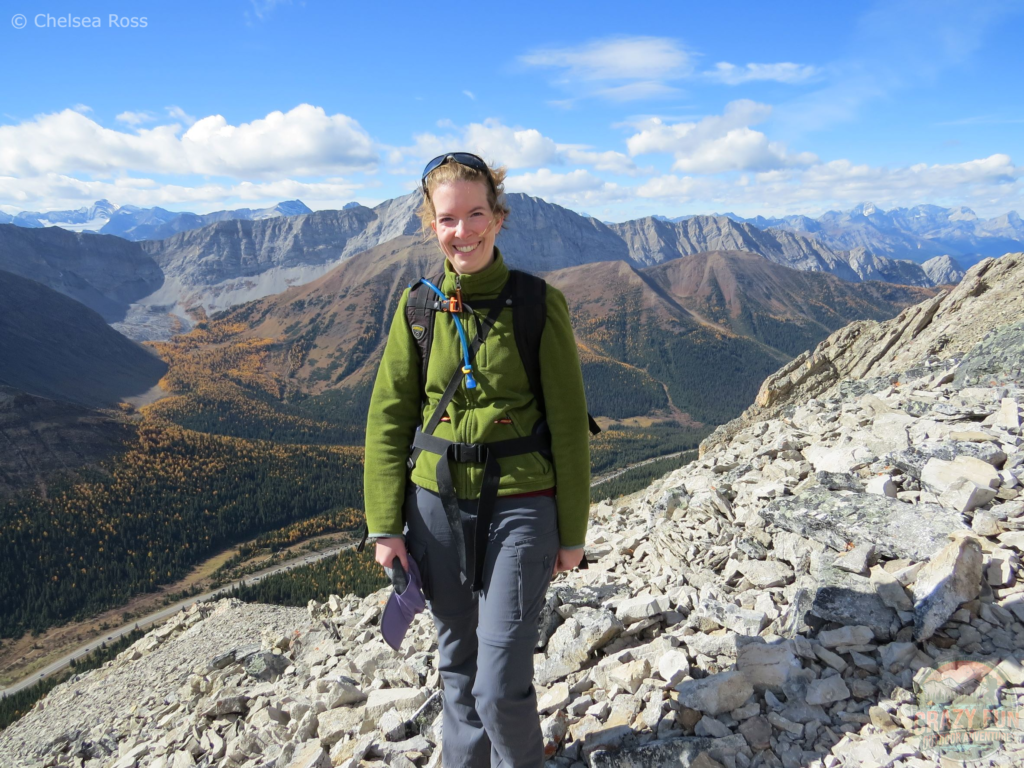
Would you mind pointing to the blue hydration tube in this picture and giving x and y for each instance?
(467, 367)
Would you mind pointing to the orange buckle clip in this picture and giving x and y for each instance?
(455, 303)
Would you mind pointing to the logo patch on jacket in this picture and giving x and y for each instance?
(418, 330)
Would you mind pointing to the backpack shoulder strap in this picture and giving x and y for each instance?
(420, 311)
(529, 316)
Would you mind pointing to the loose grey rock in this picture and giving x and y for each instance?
(827, 690)
(582, 633)
(380, 701)
(849, 599)
(767, 666)
(765, 574)
(267, 666)
(890, 591)
(857, 560)
(715, 694)
(673, 666)
(951, 578)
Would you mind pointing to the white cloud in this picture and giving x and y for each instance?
(470, 94)
(492, 140)
(717, 143)
(741, 149)
(610, 161)
(577, 187)
(135, 118)
(302, 141)
(618, 68)
(82, 108)
(263, 8)
(621, 58)
(782, 72)
(512, 147)
(180, 114)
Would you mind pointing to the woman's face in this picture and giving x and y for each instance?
(465, 225)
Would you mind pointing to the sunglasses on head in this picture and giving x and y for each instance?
(462, 158)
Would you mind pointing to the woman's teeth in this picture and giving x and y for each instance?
(465, 248)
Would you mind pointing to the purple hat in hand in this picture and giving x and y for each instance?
(402, 607)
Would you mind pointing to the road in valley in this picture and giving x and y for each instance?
(166, 613)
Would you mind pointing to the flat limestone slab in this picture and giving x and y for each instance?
(897, 529)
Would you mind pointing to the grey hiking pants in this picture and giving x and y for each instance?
(486, 641)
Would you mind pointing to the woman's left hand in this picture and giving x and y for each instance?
(567, 560)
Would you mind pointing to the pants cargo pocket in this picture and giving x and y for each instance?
(535, 560)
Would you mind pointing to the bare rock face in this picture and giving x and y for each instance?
(943, 270)
(997, 359)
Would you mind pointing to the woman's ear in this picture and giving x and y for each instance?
(497, 228)
(433, 225)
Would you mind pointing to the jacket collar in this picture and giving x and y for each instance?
(490, 281)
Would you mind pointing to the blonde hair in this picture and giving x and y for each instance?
(454, 171)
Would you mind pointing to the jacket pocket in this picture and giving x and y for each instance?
(543, 466)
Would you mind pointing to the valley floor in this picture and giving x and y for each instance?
(22, 658)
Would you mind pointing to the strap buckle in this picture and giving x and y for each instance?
(472, 453)
(452, 304)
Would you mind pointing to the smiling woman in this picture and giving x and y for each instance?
(478, 514)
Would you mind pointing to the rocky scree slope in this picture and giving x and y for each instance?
(785, 601)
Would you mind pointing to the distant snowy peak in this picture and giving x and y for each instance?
(864, 209)
(134, 223)
(287, 208)
(87, 219)
(919, 233)
(962, 213)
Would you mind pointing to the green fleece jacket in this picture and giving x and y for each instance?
(502, 394)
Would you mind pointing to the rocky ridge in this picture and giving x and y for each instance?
(795, 597)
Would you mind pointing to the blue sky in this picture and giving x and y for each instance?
(616, 110)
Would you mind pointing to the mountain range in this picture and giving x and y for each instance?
(148, 288)
(134, 223)
(917, 233)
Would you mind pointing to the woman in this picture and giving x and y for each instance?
(479, 513)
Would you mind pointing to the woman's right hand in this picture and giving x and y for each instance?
(388, 549)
